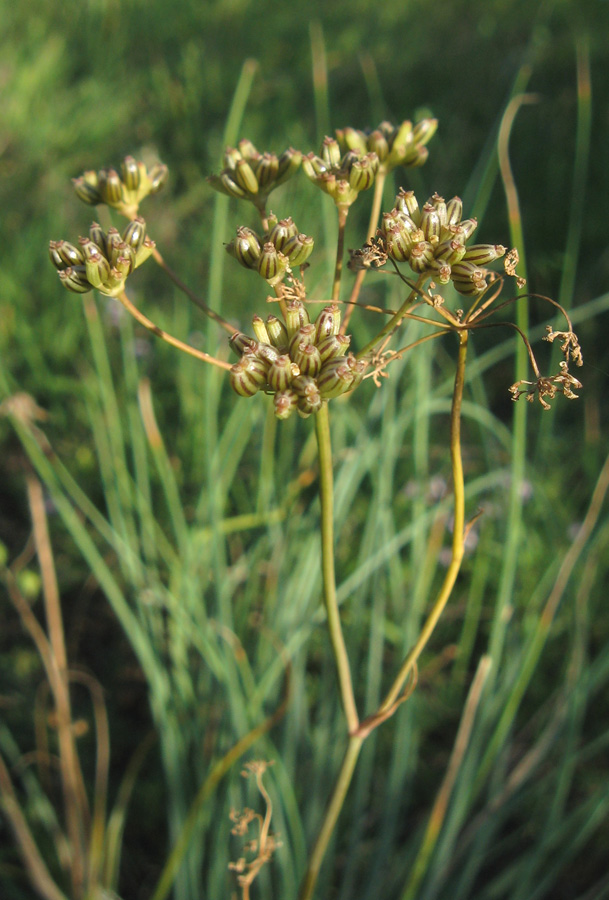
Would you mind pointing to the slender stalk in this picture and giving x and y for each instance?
(438, 812)
(71, 775)
(168, 338)
(343, 212)
(459, 533)
(396, 318)
(326, 496)
(34, 863)
(377, 200)
(192, 296)
(334, 807)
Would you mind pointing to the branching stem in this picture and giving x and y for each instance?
(343, 212)
(168, 338)
(326, 495)
(459, 532)
(192, 296)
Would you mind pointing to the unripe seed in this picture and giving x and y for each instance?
(130, 172)
(481, 254)
(280, 374)
(307, 358)
(421, 257)
(134, 233)
(285, 402)
(335, 378)
(74, 278)
(327, 322)
(304, 335)
(248, 375)
(242, 343)
(333, 345)
(260, 330)
(278, 333)
(295, 316)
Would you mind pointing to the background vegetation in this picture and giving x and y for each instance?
(183, 560)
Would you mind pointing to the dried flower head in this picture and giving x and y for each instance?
(261, 846)
(547, 386)
(570, 344)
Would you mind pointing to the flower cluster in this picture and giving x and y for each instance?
(403, 145)
(433, 240)
(547, 386)
(103, 260)
(342, 177)
(302, 363)
(251, 175)
(122, 191)
(280, 249)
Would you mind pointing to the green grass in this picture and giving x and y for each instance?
(203, 537)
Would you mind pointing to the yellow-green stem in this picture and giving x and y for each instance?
(395, 320)
(334, 807)
(343, 212)
(458, 532)
(168, 338)
(326, 496)
(377, 200)
(192, 296)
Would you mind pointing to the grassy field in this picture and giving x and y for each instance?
(183, 521)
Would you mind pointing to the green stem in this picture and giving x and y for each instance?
(459, 534)
(191, 295)
(168, 338)
(395, 319)
(326, 496)
(343, 212)
(334, 807)
(377, 200)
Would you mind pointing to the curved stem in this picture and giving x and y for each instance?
(343, 212)
(396, 319)
(192, 296)
(326, 496)
(334, 807)
(459, 532)
(168, 338)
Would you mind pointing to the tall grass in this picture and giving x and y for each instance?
(197, 520)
